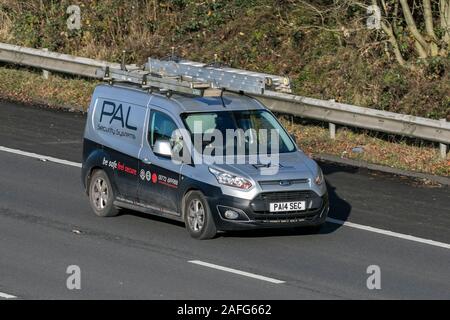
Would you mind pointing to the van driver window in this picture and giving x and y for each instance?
(160, 128)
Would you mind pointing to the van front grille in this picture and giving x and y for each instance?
(281, 182)
(286, 196)
(291, 218)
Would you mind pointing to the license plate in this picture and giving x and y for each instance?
(287, 206)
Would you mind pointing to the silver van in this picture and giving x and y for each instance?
(128, 162)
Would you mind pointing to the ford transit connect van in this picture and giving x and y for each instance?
(130, 139)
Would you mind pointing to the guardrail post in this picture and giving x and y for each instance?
(443, 146)
(45, 73)
(332, 128)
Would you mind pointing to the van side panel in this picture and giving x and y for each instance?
(113, 136)
(93, 157)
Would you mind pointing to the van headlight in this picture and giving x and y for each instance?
(229, 179)
(319, 177)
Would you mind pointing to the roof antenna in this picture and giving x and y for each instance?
(221, 98)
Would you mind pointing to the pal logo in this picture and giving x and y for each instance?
(112, 112)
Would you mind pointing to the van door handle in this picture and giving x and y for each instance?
(146, 161)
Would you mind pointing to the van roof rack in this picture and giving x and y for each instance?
(195, 78)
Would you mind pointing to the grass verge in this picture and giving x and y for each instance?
(28, 86)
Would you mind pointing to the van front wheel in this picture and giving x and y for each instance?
(101, 195)
(197, 216)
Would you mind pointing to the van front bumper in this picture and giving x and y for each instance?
(255, 213)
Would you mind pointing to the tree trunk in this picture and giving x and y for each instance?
(444, 13)
(387, 28)
(413, 27)
(428, 17)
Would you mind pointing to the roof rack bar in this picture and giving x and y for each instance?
(148, 81)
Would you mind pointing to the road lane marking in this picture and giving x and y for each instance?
(40, 157)
(235, 271)
(390, 233)
(7, 296)
(331, 220)
(63, 142)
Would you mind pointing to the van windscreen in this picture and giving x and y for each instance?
(249, 131)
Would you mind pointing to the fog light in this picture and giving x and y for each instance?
(232, 215)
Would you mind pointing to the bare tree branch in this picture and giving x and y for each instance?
(387, 28)
(412, 24)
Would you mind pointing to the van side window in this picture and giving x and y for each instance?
(160, 128)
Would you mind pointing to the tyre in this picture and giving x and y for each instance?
(197, 216)
(101, 195)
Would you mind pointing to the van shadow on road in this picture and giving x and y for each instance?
(339, 209)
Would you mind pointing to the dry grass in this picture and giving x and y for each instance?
(400, 154)
(5, 26)
(59, 92)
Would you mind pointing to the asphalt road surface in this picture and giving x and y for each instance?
(46, 225)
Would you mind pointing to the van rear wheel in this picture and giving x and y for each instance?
(198, 217)
(101, 195)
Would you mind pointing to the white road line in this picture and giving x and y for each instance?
(390, 233)
(40, 157)
(331, 220)
(239, 272)
(7, 296)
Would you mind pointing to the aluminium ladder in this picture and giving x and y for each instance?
(195, 78)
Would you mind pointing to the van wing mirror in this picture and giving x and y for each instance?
(162, 148)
